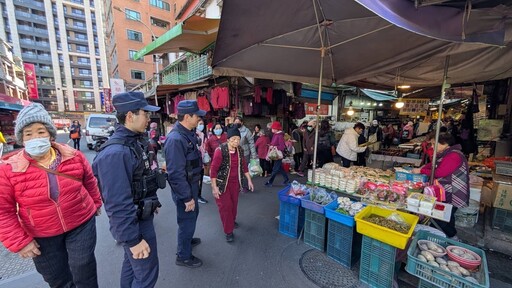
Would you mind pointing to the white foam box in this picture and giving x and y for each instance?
(475, 192)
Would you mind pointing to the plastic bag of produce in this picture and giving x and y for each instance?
(297, 189)
(255, 168)
(397, 218)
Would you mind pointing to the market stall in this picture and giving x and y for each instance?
(372, 216)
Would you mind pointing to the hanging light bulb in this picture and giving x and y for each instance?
(400, 103)
(350, 111)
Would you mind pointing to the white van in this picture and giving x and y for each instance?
(97, 125)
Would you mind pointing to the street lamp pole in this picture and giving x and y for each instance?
(153, 38)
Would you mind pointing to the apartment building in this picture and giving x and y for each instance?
(131, 25)
(64, 41)
(12, 73)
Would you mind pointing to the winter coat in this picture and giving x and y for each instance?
(262, 146)
(309, 142)
(247, 142)
(348, 147)
(278, 141)
(26, 208)
(213, 142)
(452, 172)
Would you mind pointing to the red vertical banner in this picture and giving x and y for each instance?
(311, 109)
(31, 80)
(107, 99)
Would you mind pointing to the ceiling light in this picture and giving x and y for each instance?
(400, 104)
(403, 86)
(380, 104)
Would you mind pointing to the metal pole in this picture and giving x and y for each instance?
(439, 112)
(318, 114)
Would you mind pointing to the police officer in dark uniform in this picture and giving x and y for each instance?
(128, 187)
(184, 164)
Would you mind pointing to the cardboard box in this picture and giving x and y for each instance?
(503, 198)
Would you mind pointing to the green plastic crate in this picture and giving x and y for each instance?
(502, 220)
(343, 243)
(315, 229)
(377, 266)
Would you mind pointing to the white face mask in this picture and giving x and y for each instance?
(38, 146)
(200, 127)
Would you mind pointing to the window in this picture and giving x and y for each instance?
(134, 35)
(84, 72)
(82, 49)
(160, 4)
(132, 15)
(131, 55)
(77, 11)
(80, 36)
(139, 75)
(79, 24)
(83, 60)
(159, 23)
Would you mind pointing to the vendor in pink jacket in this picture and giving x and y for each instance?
(48, 201)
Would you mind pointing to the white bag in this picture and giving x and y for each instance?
(206, 158)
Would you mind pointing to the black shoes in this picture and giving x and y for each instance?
(236, 225)
(202, 200)
(230, 237)
(195, 242)
(193, 262)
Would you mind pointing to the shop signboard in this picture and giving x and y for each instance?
(117, 86)
(31, 80)
(107, 100)
(415, 107)
(311, 109)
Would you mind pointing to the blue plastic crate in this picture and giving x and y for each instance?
(502, 220)
(377, 268)
(310, 205)
(291, 219)
(436, 275)
(343, 243)
(315, 229)
(425, 284)
(330, 213)
(284, 197)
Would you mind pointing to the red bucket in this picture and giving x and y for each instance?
(286, 167)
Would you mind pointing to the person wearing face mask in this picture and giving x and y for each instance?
(184, 165)
(309, 147)
(247, 144)
(228, 168)
(262, 147)
(129, 188)
(201, 141)
(218, 137)
(348, 146)
(48, 202)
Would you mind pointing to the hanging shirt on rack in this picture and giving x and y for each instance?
(268, 96)
(191, 95)
(203, 103)
(257, 94)
(223, 97)
(177, 99)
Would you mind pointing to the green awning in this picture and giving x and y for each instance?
(192, 35)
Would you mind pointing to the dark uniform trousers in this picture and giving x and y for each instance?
(139, 273)
(186, 223)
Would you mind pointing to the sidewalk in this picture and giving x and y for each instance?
(259, 257)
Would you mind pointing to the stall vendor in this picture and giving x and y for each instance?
(452, 172)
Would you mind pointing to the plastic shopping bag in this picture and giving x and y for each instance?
(255, 168)
(274, 154)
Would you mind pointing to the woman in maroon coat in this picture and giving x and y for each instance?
(227, 170)
(261, 146)
(218, 137)
(278, 141)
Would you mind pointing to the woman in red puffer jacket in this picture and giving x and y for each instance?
(48, 202)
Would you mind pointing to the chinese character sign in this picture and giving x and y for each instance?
(311, 109)
(415, 107)
(107, 100)
(117, 86)
(31, 80)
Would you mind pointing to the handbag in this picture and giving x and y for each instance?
(206, 158)
(436, 190)
(75, 135)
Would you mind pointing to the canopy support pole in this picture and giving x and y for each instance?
(439, 113)
(318, 113)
